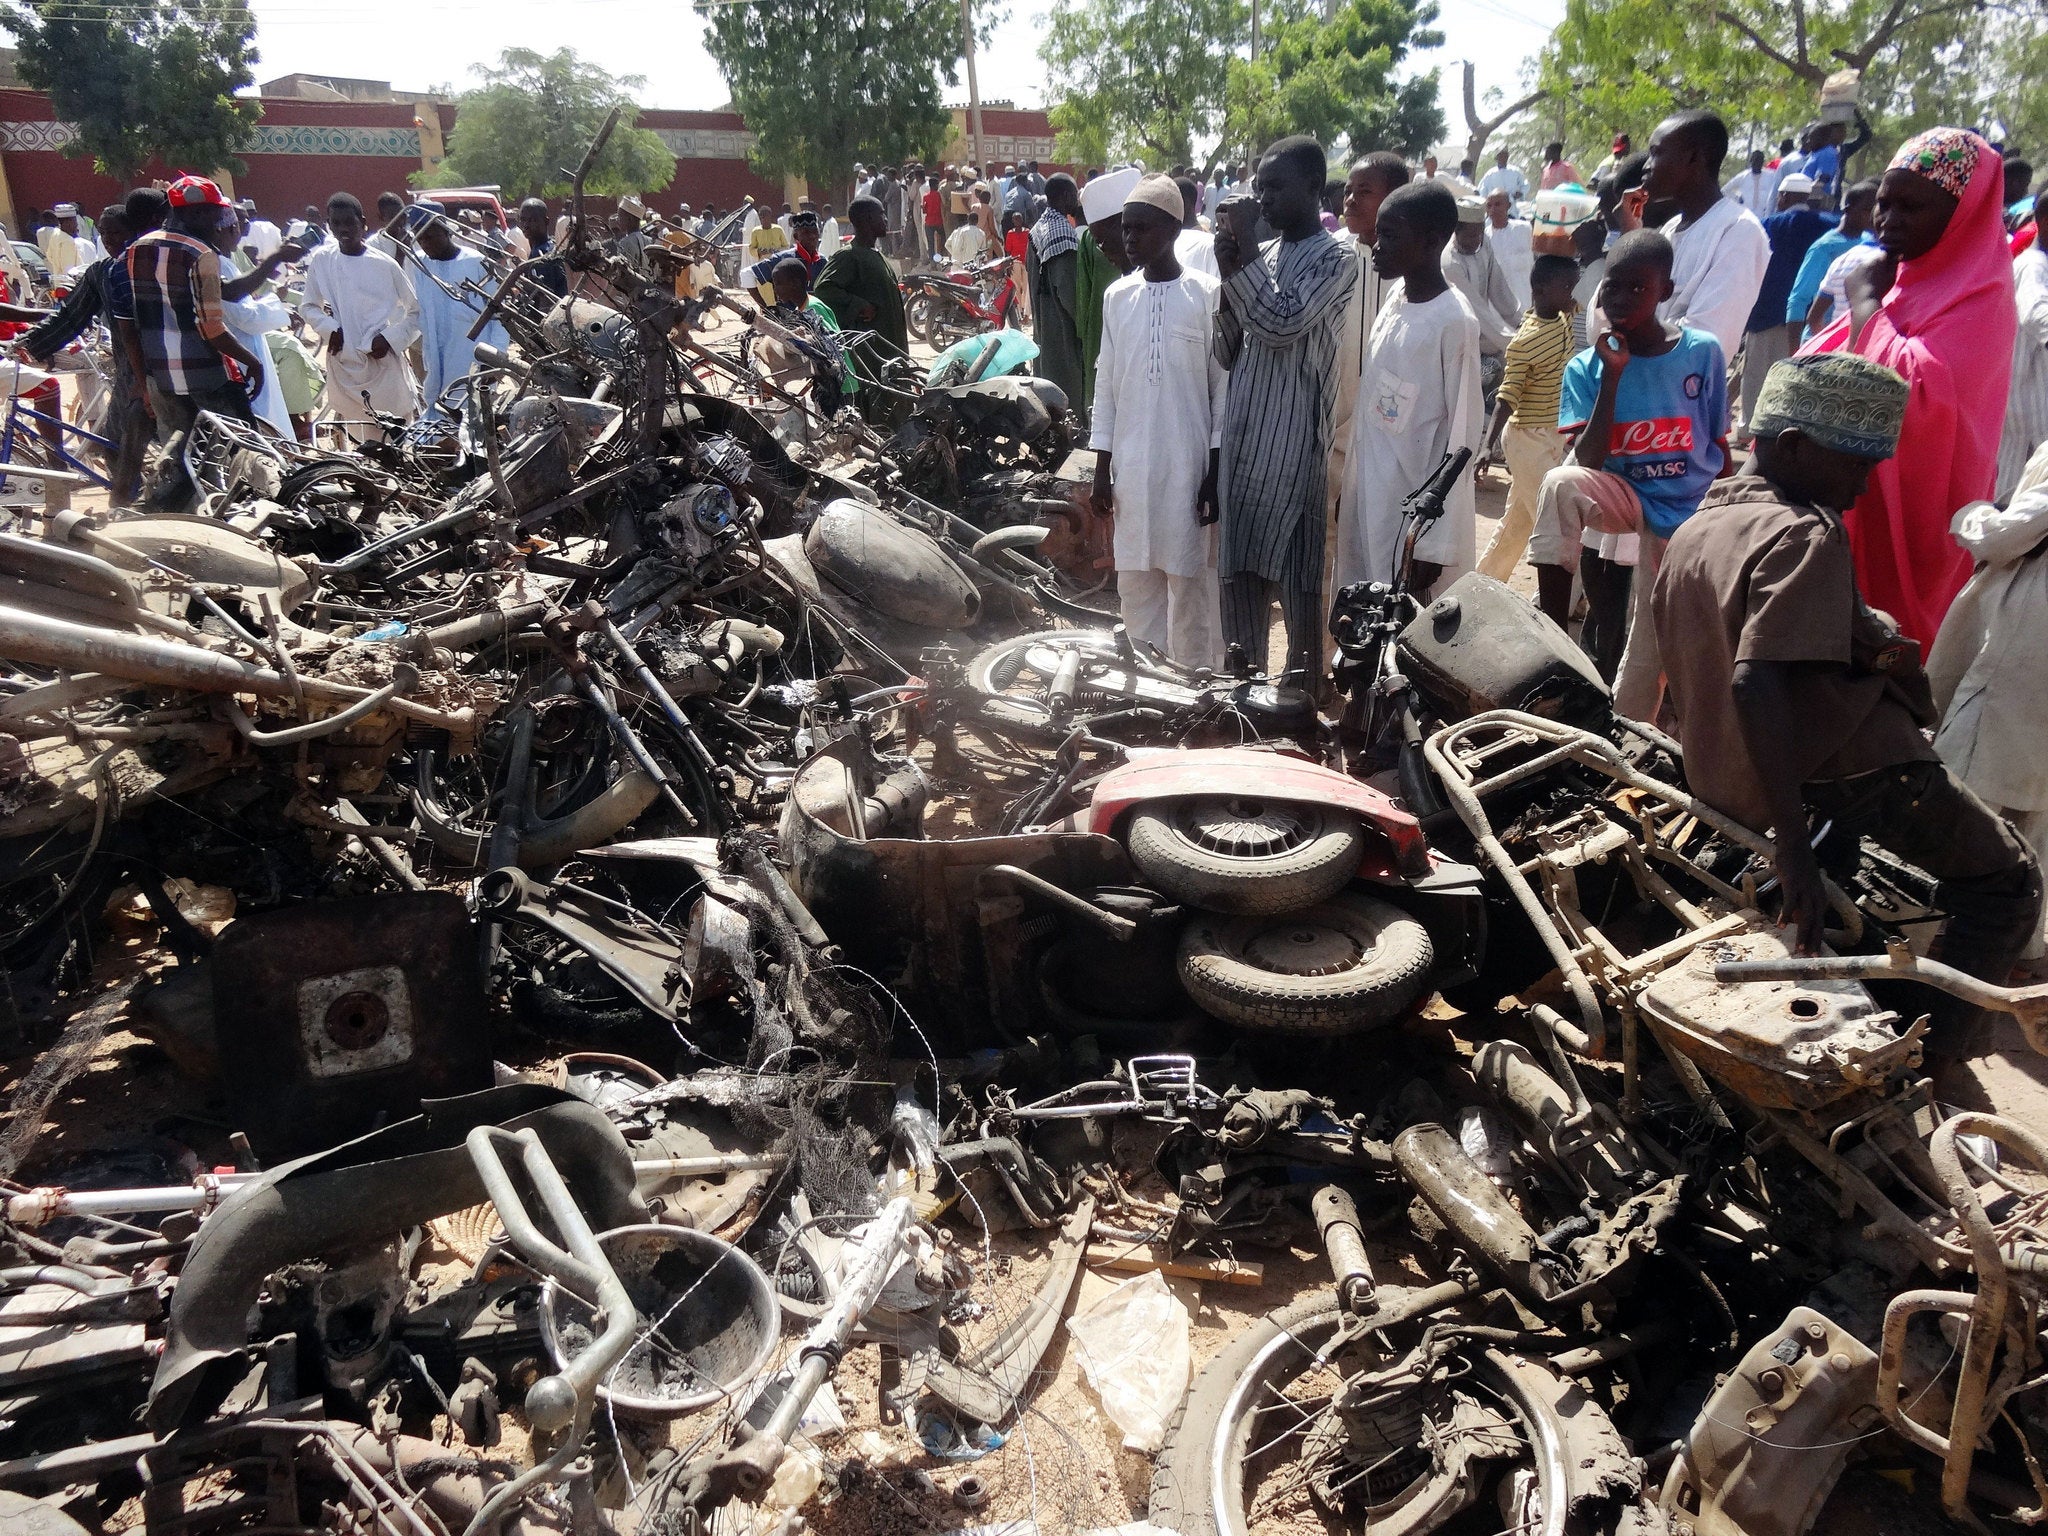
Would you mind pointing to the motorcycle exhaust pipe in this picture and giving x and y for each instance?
(1344, 1240)
(1465, 1200)
(44, 641)
(1066, 682)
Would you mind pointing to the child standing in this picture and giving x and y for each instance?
(1418, 398)
(1156, 424)
(1017, 245)
(1649, 402)
(1524, 426)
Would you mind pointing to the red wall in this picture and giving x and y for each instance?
(41, 177)
(299, 166)
(284, 183)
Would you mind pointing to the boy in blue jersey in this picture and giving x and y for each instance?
(1649, 404)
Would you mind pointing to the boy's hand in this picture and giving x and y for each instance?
(1611, 347)
(1206, 509)
(1805, 907)
(379, 347)
(334, 341)
(1101, 496)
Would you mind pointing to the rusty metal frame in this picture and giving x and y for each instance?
(1464, 757)
(2005, 1306)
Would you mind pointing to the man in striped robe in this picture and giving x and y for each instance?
(1277, 331)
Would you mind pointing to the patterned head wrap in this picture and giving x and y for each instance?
(1838, 399)
(1945, 156)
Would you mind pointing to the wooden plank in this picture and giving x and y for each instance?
(1124, 1259)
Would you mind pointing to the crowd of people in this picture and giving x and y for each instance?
(1779, 439)
(1773, 442)
(189, 287)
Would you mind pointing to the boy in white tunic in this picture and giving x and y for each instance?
(1156, 430)
(1419, 398)
(362, 305)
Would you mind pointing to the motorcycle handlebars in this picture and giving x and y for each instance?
(1426, 505)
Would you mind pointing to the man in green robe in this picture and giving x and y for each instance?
(1051, 266)
(859, 288)
(1100, 261)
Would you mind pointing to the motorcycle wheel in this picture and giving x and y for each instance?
(1244, 855)
(1343, 966)
(918, 315)
(1015, 676)
(1253, 1444)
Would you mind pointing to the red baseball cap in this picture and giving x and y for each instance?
(194, 192)
(1621, 141)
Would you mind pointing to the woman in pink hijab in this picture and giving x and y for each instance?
(1939, 309)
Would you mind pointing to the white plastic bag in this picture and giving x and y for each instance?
(1134, 1347)
(1487, 1142)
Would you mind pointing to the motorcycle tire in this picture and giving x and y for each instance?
(1339, 968)
(918, 315)
(1248, 857)
(1010, 674)
(1181, 1498)
(1210, 1429)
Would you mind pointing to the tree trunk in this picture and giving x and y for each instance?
(1479, 129)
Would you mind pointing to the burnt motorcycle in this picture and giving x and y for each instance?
(990, 451)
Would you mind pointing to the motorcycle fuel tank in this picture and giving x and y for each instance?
(895, 570)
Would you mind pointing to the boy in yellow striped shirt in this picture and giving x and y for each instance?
(1524, 427)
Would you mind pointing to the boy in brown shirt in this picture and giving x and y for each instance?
(1794, 696)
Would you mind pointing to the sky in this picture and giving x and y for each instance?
(423, 44)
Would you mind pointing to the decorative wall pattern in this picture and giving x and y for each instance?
(706, 143)
(19, 137)
(396, 143)
(999, 149)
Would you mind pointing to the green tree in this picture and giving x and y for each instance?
(1760, 63)
(1140, 79)
(1332, 77)
(530, 122)
(1150, 79)
(824, 86)
(150, 78)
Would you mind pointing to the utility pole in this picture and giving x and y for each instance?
(973, 85)
(1251, 151)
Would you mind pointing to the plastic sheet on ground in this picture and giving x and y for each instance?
(1135, 1350)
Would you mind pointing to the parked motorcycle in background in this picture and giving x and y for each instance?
(942, 307)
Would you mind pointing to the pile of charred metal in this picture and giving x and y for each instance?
(696, 897)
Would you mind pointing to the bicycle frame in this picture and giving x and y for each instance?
(23, 418)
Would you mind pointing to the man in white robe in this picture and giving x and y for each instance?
(361, 304)
(1419, 399)
(1719, 248)
(1156, 427)
(1194, 247)
(259, 236)
(2026, 403)
(1367, 186)
(1988, 668)
(1513, 242)
(65, 244)
(447, 311)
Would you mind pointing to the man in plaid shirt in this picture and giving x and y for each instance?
(186, 345)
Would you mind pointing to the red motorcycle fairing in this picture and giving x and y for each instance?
(1169, 773)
